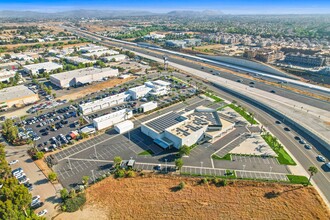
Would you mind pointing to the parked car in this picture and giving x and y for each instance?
(13, 162)
(307, 146)
(42, 213)
(320, 158)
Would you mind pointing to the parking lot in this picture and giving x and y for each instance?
(44, 127)
(261, 175)
(257, 160)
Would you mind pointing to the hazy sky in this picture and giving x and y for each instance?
(226, 6)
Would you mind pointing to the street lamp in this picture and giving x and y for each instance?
(95, 152)
(70, 167)
(93, 175)
(201, 166)
(166, 165)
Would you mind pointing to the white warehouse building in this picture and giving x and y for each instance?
(108, 120)
(98, 54)
(124, 126)
(139, 91)
(115, 58)
(149, 106)
(90, 48)
(82, 76)
(104, 103)
(157, 88)
(38, 68)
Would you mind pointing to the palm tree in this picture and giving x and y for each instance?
(312, 170)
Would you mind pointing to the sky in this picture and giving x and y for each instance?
(226, 6)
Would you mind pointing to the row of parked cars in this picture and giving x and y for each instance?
(23, 179)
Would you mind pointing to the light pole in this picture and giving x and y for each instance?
(93, 176)
(70, 167)
(95, 152)
(166, 165)
(201, 166)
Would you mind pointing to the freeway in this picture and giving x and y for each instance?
(260, 85)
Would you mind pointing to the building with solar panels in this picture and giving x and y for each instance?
(176, 129)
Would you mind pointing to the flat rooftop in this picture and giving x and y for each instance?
(82, 72)
(111, 115)
(165, 121)
(46, 65)
(79, 60)
(15, 92)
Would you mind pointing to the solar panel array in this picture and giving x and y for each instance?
(166, 121)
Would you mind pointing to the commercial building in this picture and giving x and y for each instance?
(115, 58)
(111, 119)
(77, 60)
(305, 60)
(97, 54)
(124, 126)
(5, 75)
(157, 88)
(91, 48)
(17, 96)
(9, 66)
(104, 103)
(82, 76)
(139, 91)
(264, 55)
(193, 42)
(148, 106)
(38, 68)
(177, 129)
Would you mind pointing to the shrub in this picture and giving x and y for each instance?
(39, 155)
(73, 204)
(52, 176)
(204, 181)
(120, 173)
(130, 173)
(181, 185)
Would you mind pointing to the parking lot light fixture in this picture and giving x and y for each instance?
(70, 167)
(201, 166)
(93, 175)
(95, 152)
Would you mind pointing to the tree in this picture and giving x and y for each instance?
(40, 155)
(64, 193)
(84, 135)
(181, 185)
(312, 170)
(184, 150)
(130, 173)
(178, 163)
(117, 160)
(52, 176)
(85, 180)
(72, 193)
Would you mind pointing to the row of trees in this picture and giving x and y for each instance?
(13, 81)
(15, 199)
(10, 131)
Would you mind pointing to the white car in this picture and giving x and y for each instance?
(42, 213)
(13, 162)
(35, 198)
(19, 175)
(321, 158)
(23, 180)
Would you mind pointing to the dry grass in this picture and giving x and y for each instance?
(156, 197)
(95, 88)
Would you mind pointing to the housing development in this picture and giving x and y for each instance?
(185, 111)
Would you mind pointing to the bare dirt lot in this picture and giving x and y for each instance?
(157, 197)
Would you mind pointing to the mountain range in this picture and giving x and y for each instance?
(82, 13)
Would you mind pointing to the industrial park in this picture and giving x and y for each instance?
(140, 99)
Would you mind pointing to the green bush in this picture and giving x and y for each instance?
(73, 204)
(181, 185)
(120, 173)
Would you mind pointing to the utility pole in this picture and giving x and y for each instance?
(93, 176)
(165, 58)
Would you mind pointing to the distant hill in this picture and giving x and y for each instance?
(83, 13)
(73, 14)
(195, 13)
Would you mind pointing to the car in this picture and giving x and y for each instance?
(302, 141)
(272, 91)
(307, 146)
(328, 164)
(29, 186)
(320, 158)
(252, 86)
(17, 171)
(35, 199)
(278, 122)
(20, 175)
(42, 213)
(37, 205)
(297, 138)
(23, 180)
(286, 129)
(13, 162)
(252, 83)
(158, 167)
